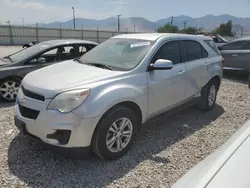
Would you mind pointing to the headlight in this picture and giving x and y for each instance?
(69, 100)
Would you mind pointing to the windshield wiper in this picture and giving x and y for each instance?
(7, 57)
(100, 65)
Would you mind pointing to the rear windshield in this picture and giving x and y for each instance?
(212, 45)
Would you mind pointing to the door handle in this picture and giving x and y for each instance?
(181, 72)
(234, 55)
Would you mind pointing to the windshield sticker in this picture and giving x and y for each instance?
(140, 44)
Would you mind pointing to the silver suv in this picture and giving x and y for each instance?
(100, 100)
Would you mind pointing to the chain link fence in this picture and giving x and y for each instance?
(19, 35)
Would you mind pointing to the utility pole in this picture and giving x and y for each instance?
(241, 32)
(185, 24)
(134, 28)
(74, 19)
(172, 20)
(11, 37)
(118, 21)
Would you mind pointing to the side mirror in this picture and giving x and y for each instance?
(161, 64)
(32, 61)
(41, 60)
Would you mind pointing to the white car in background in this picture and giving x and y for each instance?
(227, 167)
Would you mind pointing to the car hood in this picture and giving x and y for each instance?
(51, 80)
(2, 63)
(219, 164)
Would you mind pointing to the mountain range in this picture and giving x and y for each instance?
(208, 23)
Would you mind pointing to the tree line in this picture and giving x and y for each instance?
(223, 29)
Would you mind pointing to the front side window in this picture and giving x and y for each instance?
(28, 52)
(237, 45)
(247, 46)
(193, 50)
(118, 53)
(49, 56)
(169, 51)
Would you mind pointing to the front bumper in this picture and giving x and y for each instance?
(72, 152)
(50, 121)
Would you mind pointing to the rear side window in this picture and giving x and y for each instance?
(212, 45)
(194, 50)
(247, 46)
(237, 45)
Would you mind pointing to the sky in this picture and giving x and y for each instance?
(46, 11)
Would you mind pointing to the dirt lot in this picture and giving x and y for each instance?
(166, 148)
(6, 50)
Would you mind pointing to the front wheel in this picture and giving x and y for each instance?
(9, 89)
(208, 96)
(115, 133)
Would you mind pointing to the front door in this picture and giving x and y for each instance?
(166, 88)
(244, 57)
(231, 54)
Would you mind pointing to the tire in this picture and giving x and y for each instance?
(9, 88)
(208, 96)
(103, 134)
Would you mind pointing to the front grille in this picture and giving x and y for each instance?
(32, 95)
(27, 112)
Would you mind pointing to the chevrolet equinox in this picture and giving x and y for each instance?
(99, 101)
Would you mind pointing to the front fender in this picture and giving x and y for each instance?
(101, 101)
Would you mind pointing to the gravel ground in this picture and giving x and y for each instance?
(166, 148)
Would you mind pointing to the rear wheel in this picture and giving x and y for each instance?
(208, 96)
(115, 133)
(9, 89)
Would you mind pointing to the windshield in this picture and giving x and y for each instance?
(27, 52)
(120, 54)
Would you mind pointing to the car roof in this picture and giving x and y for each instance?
(240, 39)
(156, 36)
(67, 41)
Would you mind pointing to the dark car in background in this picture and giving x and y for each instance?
(30, 44)
(218, 40)
(15, 66)
(236, 55)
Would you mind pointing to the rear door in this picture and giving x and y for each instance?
(231, 54)
(196, 66)
(244, 57)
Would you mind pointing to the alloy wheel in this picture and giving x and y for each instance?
(211, 95)
(9, 90)
(119, 135)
